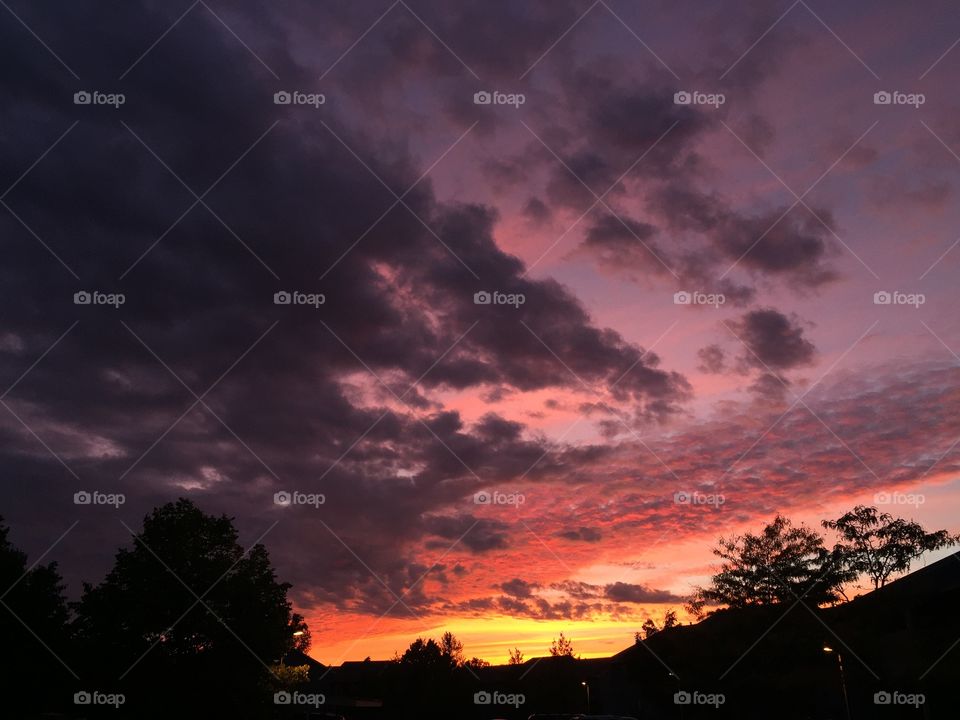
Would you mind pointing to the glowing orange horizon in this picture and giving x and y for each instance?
(352, 637)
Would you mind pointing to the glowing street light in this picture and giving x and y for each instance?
(676, 677)
(584, 683)
(843, 680)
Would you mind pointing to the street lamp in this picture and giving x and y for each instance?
(677, 678)
(843, 680)
(584, 683)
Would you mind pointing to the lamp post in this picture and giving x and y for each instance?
(677, 678)
(587, 686)
(843, 680)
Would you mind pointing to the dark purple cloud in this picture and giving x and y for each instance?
(773, 341)
(712, 359)
(627, 592)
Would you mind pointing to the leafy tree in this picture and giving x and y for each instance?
(780, 564)
(186, 615)
(670, 619)
(33, 614)
(429, 676)
(425, 655)
(650, 628)
(476, 663)
(452, 648)
(561, 647)
(516, 657)
(878, 545)
(290, 676)
(696, 604)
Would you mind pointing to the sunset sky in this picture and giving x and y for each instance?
(589, 191)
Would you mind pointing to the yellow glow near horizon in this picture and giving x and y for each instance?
(677, 565)
(492, 639)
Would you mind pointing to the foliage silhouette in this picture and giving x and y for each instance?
(561, 647)
(33, 625)
(782, 563)
(878, 545)
(187, 619)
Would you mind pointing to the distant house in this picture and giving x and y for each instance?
(355, 687)
(295, 658)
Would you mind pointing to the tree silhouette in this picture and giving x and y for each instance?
(452, 648)
(429, 654)
(432, 675)
(782, 563)
(187, 616)
(650, 628)
(425, 655)
(33, 625)
(516, 657)
(879, 546)
(561, 647)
